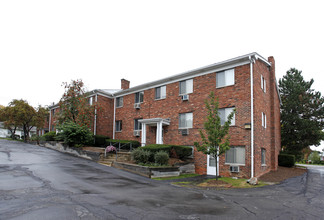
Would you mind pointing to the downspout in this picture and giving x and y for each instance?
(252, 122)
(95, 119)
(114, 119)
(50, 121)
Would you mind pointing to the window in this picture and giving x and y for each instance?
(119, 126)
(53, 112)
(263, 84)
(185, 120)
(90, 100)
(160, 92)
(225, 78)
(137, 125)
(263, 156)
(264, 120)
(119, 102)
(139, 96)
(186, 87)
(235, 155)
(223, 114)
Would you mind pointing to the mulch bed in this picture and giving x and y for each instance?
(282, 174)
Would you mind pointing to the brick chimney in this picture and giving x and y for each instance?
(124, 84)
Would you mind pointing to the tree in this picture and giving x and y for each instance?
(20, 114)
(302, 113)
(216, 140)
(74, 105)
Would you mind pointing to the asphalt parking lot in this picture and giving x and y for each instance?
(39, 183)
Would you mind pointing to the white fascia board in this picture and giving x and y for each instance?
(228, 64)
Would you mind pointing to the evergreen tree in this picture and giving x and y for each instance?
(216, 140)
(302, 113)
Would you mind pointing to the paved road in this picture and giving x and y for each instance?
(39, 183)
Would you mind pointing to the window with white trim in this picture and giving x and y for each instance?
(119, 102)
(185, 120)
(186, 87)
(90, 100)
(118, 126)
(225, 78)
(224, 113)
(139, 97)
(235, 155)
(263, 84)
(160, 92)
(264, 120)
(263, 156)
(137, 125)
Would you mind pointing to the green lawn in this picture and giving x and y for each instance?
(176, 177)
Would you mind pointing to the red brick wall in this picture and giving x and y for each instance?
(105, 116)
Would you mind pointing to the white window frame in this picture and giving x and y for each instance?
(263, 84)
(119, 102)
(263, 120)
(188, 86)
(162, 92)
(225, 112)
(119, 126)
(263, 157)
(139, 125)
(188, 117)
(235, 149)
(139, 94)
(91, 100)
(229, 78)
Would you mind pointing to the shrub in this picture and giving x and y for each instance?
(74, 134)
(49, 136)
(286, 160)
(158, 147)
(100, 140)
(141, 156)
(161, 158)
(182, 151)
(315, 158)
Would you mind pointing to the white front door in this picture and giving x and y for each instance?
(211, 165)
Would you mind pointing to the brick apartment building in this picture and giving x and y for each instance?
(172, 111)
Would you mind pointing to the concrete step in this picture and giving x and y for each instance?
(106, 163)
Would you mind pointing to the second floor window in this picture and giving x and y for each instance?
(186, 87)
(137, 125)
(223, 114)
(160, 92)
(90, 100)
(139, 97)
(119, 102)
(263, 84)
(264, 120)
(225, 78)
(185, 120)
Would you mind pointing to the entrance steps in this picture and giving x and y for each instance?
(112, 157)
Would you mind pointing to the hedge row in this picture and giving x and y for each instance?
(286, 160)
(180, 152)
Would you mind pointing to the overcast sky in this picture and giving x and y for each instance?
(44, 43)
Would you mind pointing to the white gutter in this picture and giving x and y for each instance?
(114, 119)
(95, 119)
(252, 116)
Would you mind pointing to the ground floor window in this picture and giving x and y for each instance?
(263, 156)
(137, 125)
(119, 125)
(235, 155)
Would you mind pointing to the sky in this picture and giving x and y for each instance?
(45, 43)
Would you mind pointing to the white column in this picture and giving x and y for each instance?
(143, 134)
(159, 133)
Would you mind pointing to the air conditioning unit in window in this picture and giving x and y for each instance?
(137, 105)
(185, 97)
(184, 132)
(234, 169)
(137, 133)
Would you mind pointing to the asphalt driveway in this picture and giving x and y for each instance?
(39, 183)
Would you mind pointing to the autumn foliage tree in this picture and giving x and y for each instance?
(19, 114)
(74, 105)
